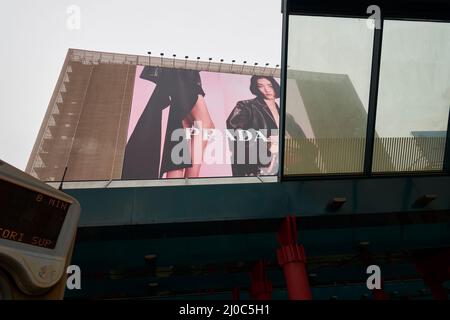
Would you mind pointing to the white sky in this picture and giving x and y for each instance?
(35, 40)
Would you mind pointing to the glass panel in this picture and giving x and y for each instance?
(327, 94)
(413, 97)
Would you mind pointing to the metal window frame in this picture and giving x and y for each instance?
(398, 10)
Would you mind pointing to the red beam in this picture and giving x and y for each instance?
(292, 258)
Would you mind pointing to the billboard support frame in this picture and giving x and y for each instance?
(283, 80)
(373, 98)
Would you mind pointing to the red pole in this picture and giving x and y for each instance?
(437, 290)
(292, 258)
(434, 268)
(380, 294)
(261, 287)
(235, 294)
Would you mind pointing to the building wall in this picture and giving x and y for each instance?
(86, 123)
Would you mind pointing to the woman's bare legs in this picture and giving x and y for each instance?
(199, 117)
(175, 174)
(202, 120)
(179, 173)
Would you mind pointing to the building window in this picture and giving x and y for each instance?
(413, 97)
(327, 94)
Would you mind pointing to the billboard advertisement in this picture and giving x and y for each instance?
(188, 124)
(126, 121)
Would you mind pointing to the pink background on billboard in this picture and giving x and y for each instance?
(222, 92)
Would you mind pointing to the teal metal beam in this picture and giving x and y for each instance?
(158, 205)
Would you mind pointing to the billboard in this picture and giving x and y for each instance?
(113, 120)
(188, 124)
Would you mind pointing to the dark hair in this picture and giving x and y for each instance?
(254, 88)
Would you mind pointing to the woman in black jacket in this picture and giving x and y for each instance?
(261, 115)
